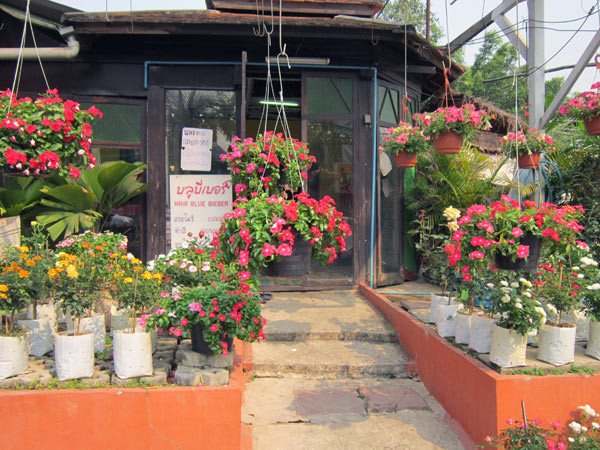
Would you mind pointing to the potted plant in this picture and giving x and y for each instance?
(449, 126)
(73, 352)
(137, 289)
(271, 163)
(591, 299)
(558, 287)
(527, 147)
(46, 134)
(520, 314)
(404, 143)
(14, 341)
(214, 315)
(264, 227)
(586, 107)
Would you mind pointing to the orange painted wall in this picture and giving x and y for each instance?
(129, 418)
(477, 397)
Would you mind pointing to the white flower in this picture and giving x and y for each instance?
(81, 152)
(505, 315)
(571, 439)
(504, 283)
(595, 425)
(580, 275)
(587, 409)
(193, 269)
(551, 308)
(527, 294)
(453, 226)
(184, 244)
(490, 285)
(525, 282)
(505, 298)
(451, 214)
(594, 287)
(576, 427)
(130, 256)
(206, 267)
(588, 262)
(514, 284)
(182, 265)
(518, 305)
(161, 256)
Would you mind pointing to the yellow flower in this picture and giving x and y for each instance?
(72, 271)
(138, 268)
(23, 249)
(23, 256)
(30, 262)
(127, 280)
(3, 288)
(157, 276)
(52, 273)
(2, 295)
(147, 275)
(23, 274)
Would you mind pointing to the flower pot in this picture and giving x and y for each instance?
(405, 159)
(199, 345)
(74, 356)
(581, 321)
(529, 160)
(508, 348)
(446, 325)
(40, 335)
(44, 310)
(153, 335)
(592, 125)
(593, 345)
(295, 265)
(132, 354)
(463, 327)
(480, 339)
(437, 300)
(95, 325)
(14, 355)
(535, 245)
(119, 320)
(557, 344)
(448, 142)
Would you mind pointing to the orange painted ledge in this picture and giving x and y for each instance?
(132, 418)
(477, 397)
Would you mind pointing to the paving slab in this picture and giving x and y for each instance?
(388, 399)
(329, 401)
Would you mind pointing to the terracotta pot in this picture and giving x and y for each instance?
(448, 142)
(405, 159)
(592, 125)
(529, 161)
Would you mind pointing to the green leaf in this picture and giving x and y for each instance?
(72, 196)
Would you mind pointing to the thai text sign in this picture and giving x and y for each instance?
(195, 148)
(198, 203)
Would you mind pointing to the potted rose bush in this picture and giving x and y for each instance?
(271, 163)
(404, 143)
(264, 227)
(213, 315)
(46, 134)
(586, 107)
(527, 147)
(448, 127)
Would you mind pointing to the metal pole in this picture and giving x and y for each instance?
(428, 21)
(535, 60)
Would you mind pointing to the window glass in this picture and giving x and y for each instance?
(119, 123)
(329, 96)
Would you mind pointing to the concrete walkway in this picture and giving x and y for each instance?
(331, 375)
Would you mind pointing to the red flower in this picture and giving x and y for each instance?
(284, 250)
(467, 277)
(214, 327)
(74, 172)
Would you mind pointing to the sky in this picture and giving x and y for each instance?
(563, 18)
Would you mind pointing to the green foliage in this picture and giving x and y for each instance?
(413, 12)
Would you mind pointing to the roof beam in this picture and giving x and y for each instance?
(482, 24)
(512, 34)
(585, 58)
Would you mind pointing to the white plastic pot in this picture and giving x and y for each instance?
(74, 356)
(557, 344)
(446, 325)
(119, 320)
(153, 335)
(463, 327)
(40, 335)
(593, 345)
(508, 348)
(480, 339)
(96, 325)
(14, 355)
(44, 310)
(578, 317)
(437, 300)
(132, 354)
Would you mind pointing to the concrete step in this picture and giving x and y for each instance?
(330, 359)
(293, 332)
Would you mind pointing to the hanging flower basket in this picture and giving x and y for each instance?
(448, 143)
(529, 160)
(405, 159)
(592, 125)
(535, 245)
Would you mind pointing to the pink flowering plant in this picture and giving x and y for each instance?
(585, 106)
(526, 143)
(46, 134)
(265, 227)
(531, 437)
(503, 227)
(464, 120)
(271, 163)
(195, 262)
(224, 310)
(404, 137)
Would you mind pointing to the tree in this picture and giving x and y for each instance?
(498, 59)
(413, 12)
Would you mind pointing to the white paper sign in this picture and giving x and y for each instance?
(195, 148)
(198, 203)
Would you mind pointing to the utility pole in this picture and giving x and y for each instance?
(428, 21)
(535, 61)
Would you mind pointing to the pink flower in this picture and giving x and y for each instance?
(184, 322)
(516, 232)
(214, 327)
(523, 251)
(476, 255)
(467, 277)
(178, 332)
(244, 275)
(268, 250)
(486, 225)
(284, 250)
(243, 259)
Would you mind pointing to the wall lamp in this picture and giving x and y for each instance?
(298, 60)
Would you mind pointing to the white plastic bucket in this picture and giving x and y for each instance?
(40, 335)
(463, 327)
(437, 300)
(557, 344)
(446, 325)
(44, 310)
(74, 356)
(132, 354)
(509, 348)
(96, 325)
(14, 355)
(480, 339)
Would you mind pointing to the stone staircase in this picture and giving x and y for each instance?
(332, 375)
